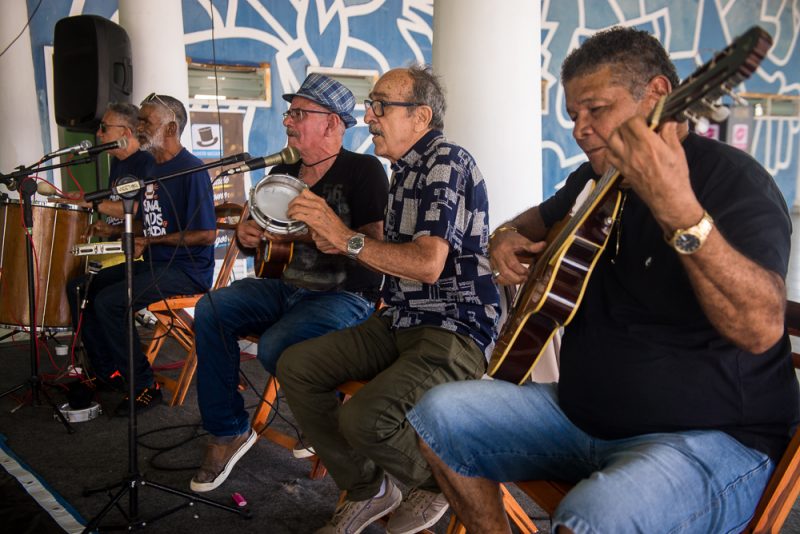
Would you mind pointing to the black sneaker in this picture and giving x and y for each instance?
(145, 399)
(114, 382)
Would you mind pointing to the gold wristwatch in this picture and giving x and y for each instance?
(689, 240)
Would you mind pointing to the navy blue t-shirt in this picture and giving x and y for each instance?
(139, 164)
(175, 205)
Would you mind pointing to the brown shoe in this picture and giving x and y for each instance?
(222, 453)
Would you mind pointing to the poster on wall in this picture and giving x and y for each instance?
(215, 136)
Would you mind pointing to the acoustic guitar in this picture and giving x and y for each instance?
(272, 258)
(550, 296)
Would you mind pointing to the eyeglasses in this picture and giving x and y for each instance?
(297, 114)
(153, 97)
(378, 106)
(105, 126)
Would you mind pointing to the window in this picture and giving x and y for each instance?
(359, 81)
(773, 105)
(230, 82)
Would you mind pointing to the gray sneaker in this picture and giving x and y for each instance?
(421, 509)
(351, 517)
(221, 455)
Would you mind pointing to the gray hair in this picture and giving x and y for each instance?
(128, 112)
(172, 104)
(637, 57)
(427, 89)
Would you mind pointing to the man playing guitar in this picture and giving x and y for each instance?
(676, 393)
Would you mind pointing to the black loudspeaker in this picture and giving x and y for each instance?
(91, 68)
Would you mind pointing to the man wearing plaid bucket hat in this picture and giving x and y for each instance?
(315, 294)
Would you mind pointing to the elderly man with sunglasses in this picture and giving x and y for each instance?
(175, 232)
(439, 323)
(119, 121)
(316, 293)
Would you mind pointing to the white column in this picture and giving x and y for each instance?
(488, 54)
(21, 142)
(158, 54)
(796, 202)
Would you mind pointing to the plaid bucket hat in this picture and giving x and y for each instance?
(328, 93)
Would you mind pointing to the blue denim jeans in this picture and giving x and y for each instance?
(693, 481)
(281, 314)
(104, 327)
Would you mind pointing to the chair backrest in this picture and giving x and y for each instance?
(228, 215)
(784, 485)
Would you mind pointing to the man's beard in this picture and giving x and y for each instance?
(152, 143)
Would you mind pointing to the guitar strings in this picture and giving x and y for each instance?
(619, 227)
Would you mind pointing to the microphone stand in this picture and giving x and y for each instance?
(128, 188)
(27, 188)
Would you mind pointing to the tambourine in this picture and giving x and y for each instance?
(269, 200)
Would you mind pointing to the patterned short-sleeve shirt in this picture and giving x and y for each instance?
(438, 190)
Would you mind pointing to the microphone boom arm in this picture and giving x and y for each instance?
(129, 188)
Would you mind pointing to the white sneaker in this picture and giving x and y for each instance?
(420, 509)
(302, 449)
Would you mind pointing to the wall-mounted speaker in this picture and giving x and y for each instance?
(91, 68)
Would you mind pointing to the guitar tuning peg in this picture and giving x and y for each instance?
(701, 124)
(728, 90)
(719, 113)
(713, 110)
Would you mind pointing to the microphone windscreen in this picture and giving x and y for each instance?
(46, 189)
(122, 142)
(290, 155)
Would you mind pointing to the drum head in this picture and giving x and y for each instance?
(269, 201)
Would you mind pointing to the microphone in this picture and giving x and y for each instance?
(236, 158)
(47, 189)
(122, 142)
(285, 156)
(83, 145)
(94, 268)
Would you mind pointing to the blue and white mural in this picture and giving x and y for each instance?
(692, 31)
(378, 35)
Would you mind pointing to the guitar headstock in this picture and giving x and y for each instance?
(695, 97)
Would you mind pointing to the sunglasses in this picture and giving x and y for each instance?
(105, 126)
(153, 97)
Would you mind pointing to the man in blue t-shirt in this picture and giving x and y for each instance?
(175, 231)
(442, 308)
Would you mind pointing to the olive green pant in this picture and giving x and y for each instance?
(367, 435)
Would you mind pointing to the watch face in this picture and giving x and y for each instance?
(687, 243)
(355, 244)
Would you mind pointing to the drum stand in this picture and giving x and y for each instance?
(34, 382)
(130, 187)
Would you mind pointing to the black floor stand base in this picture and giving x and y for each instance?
(131, 484)
(35, 384)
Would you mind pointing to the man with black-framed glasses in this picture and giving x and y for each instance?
(438, 326)
(175, 229)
